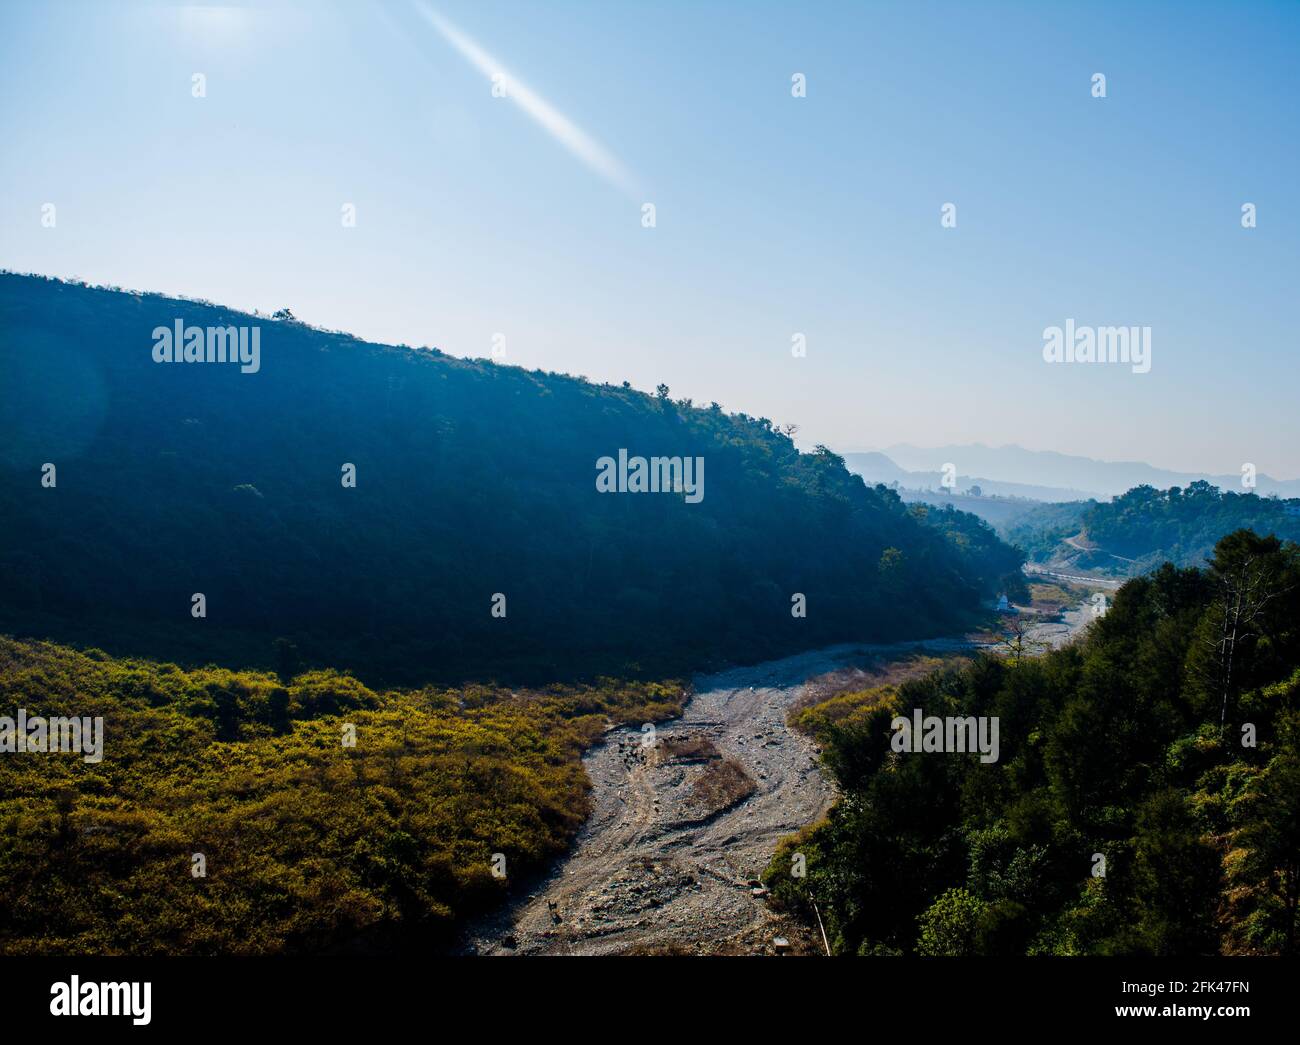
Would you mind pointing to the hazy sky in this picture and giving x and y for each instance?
(775, 215)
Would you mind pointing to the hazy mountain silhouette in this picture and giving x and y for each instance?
(876, 467)
(1084, 476)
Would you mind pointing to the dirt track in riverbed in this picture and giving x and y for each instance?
(653, 868)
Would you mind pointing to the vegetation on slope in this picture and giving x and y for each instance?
(1183, 525)
(1040, 531)
(472, 480)
(1167, 742)
(1136, 532)
(309, 845)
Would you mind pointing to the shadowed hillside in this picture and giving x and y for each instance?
(471, 480)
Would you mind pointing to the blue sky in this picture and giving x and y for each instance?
(774, 215)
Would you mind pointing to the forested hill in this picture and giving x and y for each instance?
(472, 480)
(1145, 527)
(1184, 525)
(1145, 799)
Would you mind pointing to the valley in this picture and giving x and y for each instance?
(652, 871)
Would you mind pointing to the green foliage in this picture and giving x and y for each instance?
(311, 846)
(472, 479)
(948, 928)
(1040, 530)
(1176, 878)
(1146, 527)
(1183, 525)
(1264, 865)
(994, 566)
(1112, 753)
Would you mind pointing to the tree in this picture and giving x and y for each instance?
(1016, 641)
(948, 928)
(1015, 586)
(1272, 833)
(891, 563)
(1250, 576)
(288, 662)
(1176, 878)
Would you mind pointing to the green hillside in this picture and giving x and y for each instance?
(1145, 798)
(1145, 527)
(472, 480)
(308, 844)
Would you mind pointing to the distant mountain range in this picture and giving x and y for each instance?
(879, 468)
(1043, 475)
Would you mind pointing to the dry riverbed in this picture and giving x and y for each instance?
(685, 819)
(683, 826)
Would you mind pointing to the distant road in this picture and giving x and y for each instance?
(1073, 542)
(1109, 583)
